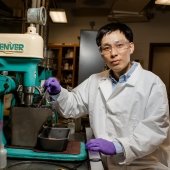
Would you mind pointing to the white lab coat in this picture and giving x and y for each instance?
(136, 113)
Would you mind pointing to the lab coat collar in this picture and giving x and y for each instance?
(130, 81)
(134, 78)
(123, 78)
(106, 86)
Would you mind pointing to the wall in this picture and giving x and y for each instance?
(156, 30)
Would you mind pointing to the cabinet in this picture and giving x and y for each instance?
(66, 56)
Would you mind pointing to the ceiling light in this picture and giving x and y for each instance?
(58, 16)
(162, 2)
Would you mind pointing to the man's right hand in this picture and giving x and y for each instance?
(52, 85)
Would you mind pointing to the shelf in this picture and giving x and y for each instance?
(67, 56)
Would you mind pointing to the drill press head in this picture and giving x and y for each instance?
(22, 53)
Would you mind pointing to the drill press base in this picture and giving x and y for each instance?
(31, 154)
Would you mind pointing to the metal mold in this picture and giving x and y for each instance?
(53, 139)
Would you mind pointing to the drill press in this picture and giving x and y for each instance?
(21, 54)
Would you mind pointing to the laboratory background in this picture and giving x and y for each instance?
(35, 46)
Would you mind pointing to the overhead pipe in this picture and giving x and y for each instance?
(45, 28)
(34, 3)
(38, 5)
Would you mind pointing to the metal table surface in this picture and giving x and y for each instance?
(14, 164)
(95, 162)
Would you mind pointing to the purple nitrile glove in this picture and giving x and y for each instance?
(101, 145)
(52, 85)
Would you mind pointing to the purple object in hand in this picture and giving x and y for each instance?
(101, 145)
(52, 85)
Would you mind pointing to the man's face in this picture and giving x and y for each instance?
(116, 50)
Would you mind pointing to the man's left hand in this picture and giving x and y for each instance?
(101, 145)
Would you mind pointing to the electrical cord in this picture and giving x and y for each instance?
(45, 162)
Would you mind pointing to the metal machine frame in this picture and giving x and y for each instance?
(21, 54)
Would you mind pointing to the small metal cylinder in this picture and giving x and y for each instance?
(28, 95)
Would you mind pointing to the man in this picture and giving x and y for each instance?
(127, 106)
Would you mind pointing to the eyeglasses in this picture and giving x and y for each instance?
(118, 46)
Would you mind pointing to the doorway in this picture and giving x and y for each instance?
(159, 62)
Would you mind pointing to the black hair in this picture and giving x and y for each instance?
(113, 27)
